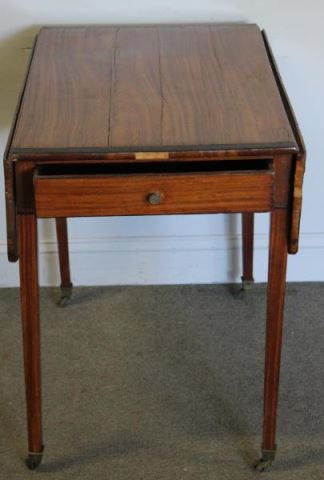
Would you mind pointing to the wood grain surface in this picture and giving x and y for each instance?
(128, 194)
(151, 87)
(300, 157)
(61, 225)
(30, 318)
(67, 97)
(247, 246)
(105, 93)
(278, 250)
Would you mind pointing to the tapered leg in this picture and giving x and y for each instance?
(29, 298)
(247, 250)
(275, 308)
(63, 250)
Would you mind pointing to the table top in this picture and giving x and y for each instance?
(151, 88)
(156, 92)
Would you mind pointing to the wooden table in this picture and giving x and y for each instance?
(150, 120)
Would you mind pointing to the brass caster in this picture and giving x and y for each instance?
(34, 459)
(66, 294)
(265, 461)
(247, 284)
(245, 288)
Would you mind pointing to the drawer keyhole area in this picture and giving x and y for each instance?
(154, 198)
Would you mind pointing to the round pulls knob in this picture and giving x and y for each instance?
(154, 198)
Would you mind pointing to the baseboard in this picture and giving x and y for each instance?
(165, 260)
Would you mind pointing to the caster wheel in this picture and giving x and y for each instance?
(66, 295)
(245, 288)
(262, 465)
(265, 461)
(34, 460)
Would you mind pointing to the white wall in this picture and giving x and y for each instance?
(181, 249)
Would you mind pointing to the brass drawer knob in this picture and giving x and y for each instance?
(154, 198)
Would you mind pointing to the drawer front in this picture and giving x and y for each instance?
(152, 194)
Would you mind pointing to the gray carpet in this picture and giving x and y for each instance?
(164, 382)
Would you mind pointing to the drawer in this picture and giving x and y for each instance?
(62, 192)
